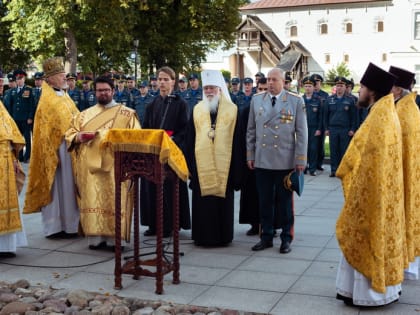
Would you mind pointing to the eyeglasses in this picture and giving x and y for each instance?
(103, 90)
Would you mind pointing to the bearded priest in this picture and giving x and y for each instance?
(214, 150)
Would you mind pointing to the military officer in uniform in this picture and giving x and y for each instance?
(235, 90)
(287, 82)
(194, 94)
(87, 96)
(339, 121)
(242, 100)
(182, 87)
(323, 95)
(12, 84)
(313, 104)
(277, 142)
(154, 86)
(121, 94)
(258, 76)
(72, 89)
(22, 109)
(142, 100)
(39, 78)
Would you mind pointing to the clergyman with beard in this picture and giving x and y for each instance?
(371, 226)
(51, 183)
(95, 167)
(214, 151)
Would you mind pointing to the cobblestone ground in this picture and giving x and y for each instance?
(23, 298)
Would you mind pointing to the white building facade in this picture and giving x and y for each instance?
(355, 32)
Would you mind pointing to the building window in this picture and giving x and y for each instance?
(380, 26)
(384, 57)
(417, 25)
(324, 28)
(254, 35)
(293, 31)
(349, 27)
(346, 58)
(244, 35)
(327, 58)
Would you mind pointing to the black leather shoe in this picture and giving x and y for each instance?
(320, 168)
(254, 230)
(261, 245)
(332, 174)
(7, 255)
(312, 173)
(101, 245)
(305, 171)
(285, 248)
(149, 232)
(274, 233)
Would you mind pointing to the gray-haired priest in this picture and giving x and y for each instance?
(214, 151)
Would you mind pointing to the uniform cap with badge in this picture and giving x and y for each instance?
(153, 78)
(317, 77)
(39, 75)
(294, 181)
(144, 83)
(19, 73)
(193, 76)
(248, 80)
(11, 77)
(288, 78)
(183, 79)
(53, 66)
(260, 74)
(377, 79)
(70, 76)
(308, 80)
(235, 81)
(404, 77)
(340, 80)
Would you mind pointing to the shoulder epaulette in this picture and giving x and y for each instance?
(293, 94)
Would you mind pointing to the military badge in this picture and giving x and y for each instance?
(346, 107)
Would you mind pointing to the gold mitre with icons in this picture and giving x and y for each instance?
(53, 66)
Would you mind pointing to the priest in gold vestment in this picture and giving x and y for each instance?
(12, 232)
(51, 182)
(409, 116)
(94, 167)
(371, 226)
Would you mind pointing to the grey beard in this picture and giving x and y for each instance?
(212, 104)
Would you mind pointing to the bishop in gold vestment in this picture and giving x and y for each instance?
(51, 183)
(371, 226)
(94, 167)
(11, 228)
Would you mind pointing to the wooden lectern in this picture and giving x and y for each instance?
(152, 155)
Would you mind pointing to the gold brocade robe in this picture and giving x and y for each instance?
(371, 226)
(52, 119)
(94, 170)
(409, 116)
(11, 142)
(213, 157)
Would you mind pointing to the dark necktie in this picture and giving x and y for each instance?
(273, 101)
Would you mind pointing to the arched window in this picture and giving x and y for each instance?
(346, 58)
(327, 58)
(324, 28)
(384, 57)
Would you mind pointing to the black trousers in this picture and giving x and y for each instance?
(25, 130)
(273, 195)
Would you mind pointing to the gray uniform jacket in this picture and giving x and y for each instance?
(277, 137)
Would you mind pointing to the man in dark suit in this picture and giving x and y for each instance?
(277, 140)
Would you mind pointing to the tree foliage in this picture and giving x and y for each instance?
(99, 34)
(10, 57)
(340, 70)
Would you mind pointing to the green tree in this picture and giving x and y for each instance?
(10, 57)
(98, 35)
(340, 70)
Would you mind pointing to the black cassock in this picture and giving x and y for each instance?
(212, 217)
(169, 113)
(249, 202)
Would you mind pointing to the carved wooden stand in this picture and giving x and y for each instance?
(133, 165)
